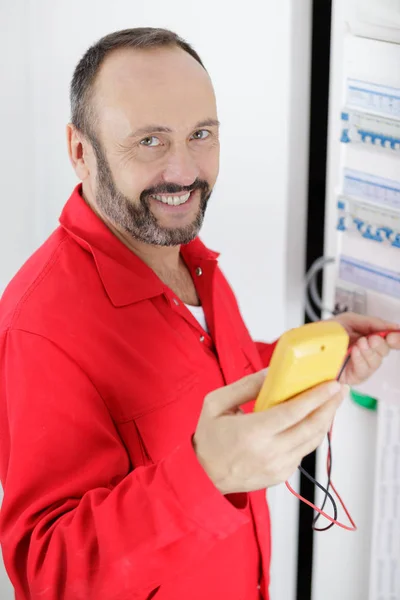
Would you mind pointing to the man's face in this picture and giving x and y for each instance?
(156, 144)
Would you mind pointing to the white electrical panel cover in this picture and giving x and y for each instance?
(362, 227)
(368, 261)
(376, 19)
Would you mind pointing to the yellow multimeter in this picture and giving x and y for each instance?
(303, 358)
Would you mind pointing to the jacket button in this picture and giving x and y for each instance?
(176, 302)
(199, 271)
(202, 338)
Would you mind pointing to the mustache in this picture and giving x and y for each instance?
(174, 188)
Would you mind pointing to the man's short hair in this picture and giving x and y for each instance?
(81, 92)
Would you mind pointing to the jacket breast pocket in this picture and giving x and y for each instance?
(166, 426)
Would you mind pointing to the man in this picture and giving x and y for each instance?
(128, 470)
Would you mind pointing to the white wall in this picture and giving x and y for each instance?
(17, 236)
(16, 207)
(257, 53)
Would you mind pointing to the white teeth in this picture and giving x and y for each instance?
(173, 200)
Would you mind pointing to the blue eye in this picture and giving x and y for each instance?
(150, 142)
(202, 134)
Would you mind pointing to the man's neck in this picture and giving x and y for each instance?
(166, 261)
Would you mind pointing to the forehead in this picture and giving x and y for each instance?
(166, 86)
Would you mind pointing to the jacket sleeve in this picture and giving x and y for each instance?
(265, 351)
(77, 522)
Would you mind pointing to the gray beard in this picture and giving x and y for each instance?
(137, 219)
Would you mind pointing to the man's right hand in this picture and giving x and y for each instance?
(248, 452)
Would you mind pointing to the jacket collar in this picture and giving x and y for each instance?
(125, 277)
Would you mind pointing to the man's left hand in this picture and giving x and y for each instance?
(368, 349)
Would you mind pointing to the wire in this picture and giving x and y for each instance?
(346, 362)
(327, 494)
(311, 286)
(314, 293)
(333, 520)
(310, 312)
(329, 470)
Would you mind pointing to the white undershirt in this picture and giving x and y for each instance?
(198, 313)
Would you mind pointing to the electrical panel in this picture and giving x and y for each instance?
(368, 257)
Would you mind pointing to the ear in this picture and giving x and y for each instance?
(78, 152)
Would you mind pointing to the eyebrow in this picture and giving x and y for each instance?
(162, 129)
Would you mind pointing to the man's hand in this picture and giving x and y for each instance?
(247, 452)
(369, 350)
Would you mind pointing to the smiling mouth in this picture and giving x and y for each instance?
(172, 200)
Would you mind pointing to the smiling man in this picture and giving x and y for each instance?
(128, 470)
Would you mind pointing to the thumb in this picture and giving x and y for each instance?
(231, 396)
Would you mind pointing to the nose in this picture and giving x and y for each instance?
(181, 168)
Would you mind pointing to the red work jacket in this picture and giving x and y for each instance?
(103, 372)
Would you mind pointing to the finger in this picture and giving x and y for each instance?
(379, 345)
(309, 433)
(283, 416)
(225, 399)
(372, 358)
(393, 340)
(358, 368)
(368, 325)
